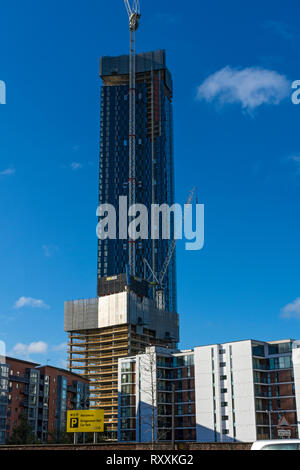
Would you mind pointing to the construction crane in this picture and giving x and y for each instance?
(158, 280)
(133, 10)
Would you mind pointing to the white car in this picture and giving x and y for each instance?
(280, 444)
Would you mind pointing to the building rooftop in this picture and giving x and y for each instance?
(40, 366)
(114, 67)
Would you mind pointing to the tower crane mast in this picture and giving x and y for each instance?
(173, 244)
(158, 279)
(134, 15)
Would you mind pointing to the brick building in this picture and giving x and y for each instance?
(42, 394)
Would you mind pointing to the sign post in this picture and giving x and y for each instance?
(85, 421)
(283, 429)
(284, 433)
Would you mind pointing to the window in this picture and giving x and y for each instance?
(4, 371)
(34, 377)
(31, 413)
(222, 364)
(127, 366)
(127, 378)
(280, 348)
(258, 350)
(3, 384)
(32, 389)
(32, 400)
(127, 389)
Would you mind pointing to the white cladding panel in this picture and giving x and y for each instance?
(243, 389)
(225, 409)
(112, 310)
(204, 394)
(147, 409)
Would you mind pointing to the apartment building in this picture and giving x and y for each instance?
(42, 394)
(154, 388)
(238, 391)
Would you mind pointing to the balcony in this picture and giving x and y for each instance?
(16, 378)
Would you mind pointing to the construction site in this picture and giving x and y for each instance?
(104, 329)
(135, 305)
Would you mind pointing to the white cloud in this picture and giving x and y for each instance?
(8, 171)
(30, 302)
(60, 347)
(39, 347)
(76, 166)
(250, 87)
(291, 310)
(49, 250)
(295, 159)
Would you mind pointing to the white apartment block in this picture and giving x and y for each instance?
(239, 391)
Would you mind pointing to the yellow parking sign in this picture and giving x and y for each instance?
(85, 421)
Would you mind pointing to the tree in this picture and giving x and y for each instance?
(148, 393)
(60, 437)
(22, 434)
(150, 418)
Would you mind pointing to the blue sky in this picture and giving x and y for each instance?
(238, 144)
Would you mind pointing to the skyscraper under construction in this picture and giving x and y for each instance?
(125, 318)
(154, 168)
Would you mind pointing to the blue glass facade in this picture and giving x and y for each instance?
(154, 158)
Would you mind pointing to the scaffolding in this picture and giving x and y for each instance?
(94, 354)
